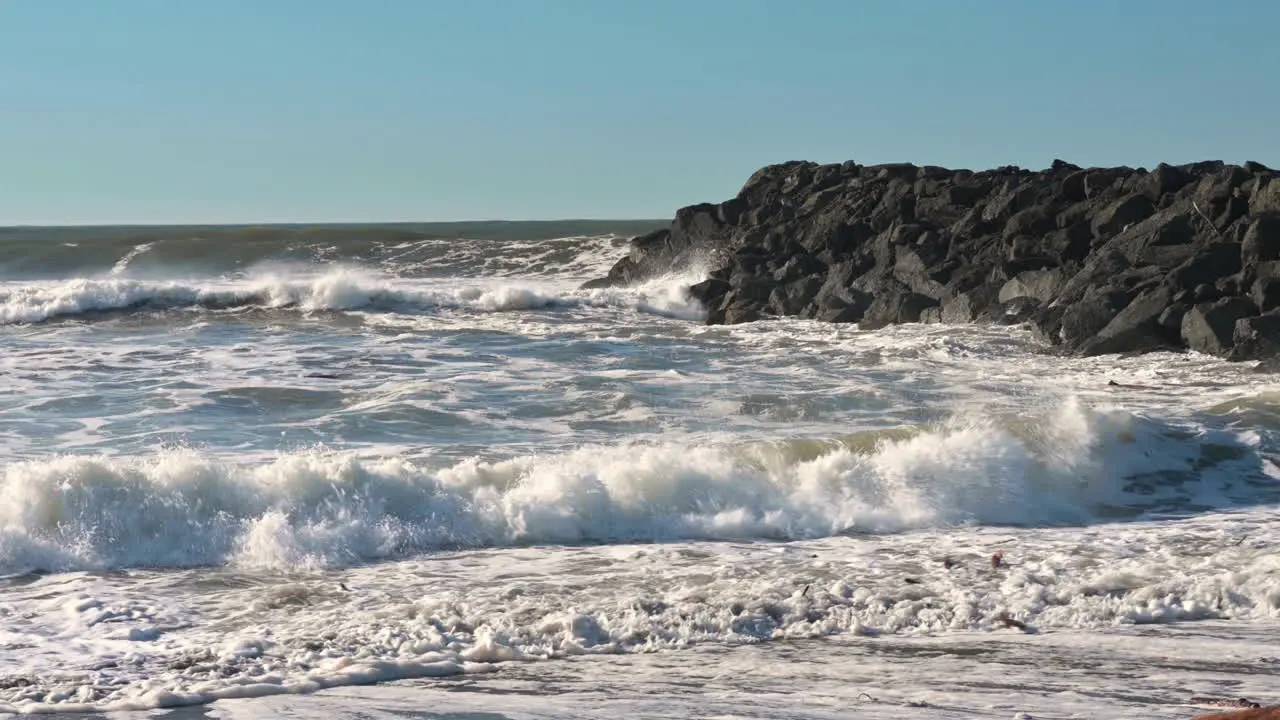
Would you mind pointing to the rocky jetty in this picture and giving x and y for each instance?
(1096, 260)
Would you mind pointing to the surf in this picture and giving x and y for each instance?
(321, 508)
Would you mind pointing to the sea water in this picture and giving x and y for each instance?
(386, 473)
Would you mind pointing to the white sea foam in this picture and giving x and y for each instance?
(500, 438)
(148, 640)
(337, 289)
(316, 509)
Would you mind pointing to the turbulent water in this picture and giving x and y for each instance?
(250, 472)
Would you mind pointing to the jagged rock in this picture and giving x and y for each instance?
(1137, 328)
(1039, 284)
(1073, 186)
(1262, 239)
(1266, 198)
(1015, 311)
(1265, 293)
(1084, 319)
(1164, 179)
(1215, 260)
(844, 311)
(1101, 269)
(741, 313)
(791, 298)
(710, 292)
(911, 270)
(967, 306)
(1122, 213)
(895, 306)
(1100, 180)
(1171, 319)
(1256, 338)
(1210, 327)
(1097, 260)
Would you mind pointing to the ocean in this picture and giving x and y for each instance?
(415, 471)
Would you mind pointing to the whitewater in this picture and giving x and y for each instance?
(403, 471)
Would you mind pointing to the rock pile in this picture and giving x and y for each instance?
(1097, 260)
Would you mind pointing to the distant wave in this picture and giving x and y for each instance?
(339, 289)
(327, 509)
(572, 248)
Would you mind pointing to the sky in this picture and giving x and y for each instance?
(245, 111)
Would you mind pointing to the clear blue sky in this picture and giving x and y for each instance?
(161, 111)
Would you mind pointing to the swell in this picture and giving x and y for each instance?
(1078, 466)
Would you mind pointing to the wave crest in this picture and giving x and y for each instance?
(341, 289)
(326, 509)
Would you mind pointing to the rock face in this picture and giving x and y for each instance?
(1097, 260)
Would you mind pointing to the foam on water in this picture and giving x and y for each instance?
(337, 289)
(319, 509)
(145, 640)
(328, 460)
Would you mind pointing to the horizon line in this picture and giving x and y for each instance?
(325, 223)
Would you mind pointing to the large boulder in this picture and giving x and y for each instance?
(895, 306)
(1256, 338)
(1042, 285)
(965, 307)
(1121, 214)
(1139, 327)
(791, 298)
(1082, 320)
(1210, 327)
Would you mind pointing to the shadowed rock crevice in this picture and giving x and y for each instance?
(1097, 260)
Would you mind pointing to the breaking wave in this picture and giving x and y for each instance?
(324, 509)
(339, 289)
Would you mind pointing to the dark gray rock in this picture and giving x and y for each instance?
(1164, 179)
(1100, 180)
(1265, 293)
(1171, 319)
(965, 307)
(710, 292)
(1262, 239)
(1266, 198)
(1210, 263)
(1046, 324)
(895, 306)
(1101, 269)
(791, 298)
(798, 266)
(1096, 260)
(1042, 285)
(1012, 312)
(911, 270)
(1122, 213)
(741, 313)
(1136, 328)
(1072, 188)
(1210, 327)
(1082, 320)
(1256, 338)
